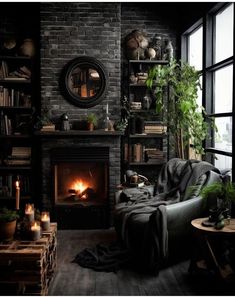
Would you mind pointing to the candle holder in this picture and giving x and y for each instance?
(35, 231)
(45, 220)
(29, 212)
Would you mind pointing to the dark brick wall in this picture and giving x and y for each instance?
(150, 18)
(69, 30)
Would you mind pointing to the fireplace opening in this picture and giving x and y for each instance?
(81, 183)
(81, 187)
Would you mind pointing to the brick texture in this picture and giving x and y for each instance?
(69, 30)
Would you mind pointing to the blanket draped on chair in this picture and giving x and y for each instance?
(141, 221)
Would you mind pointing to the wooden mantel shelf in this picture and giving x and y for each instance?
(72, 133)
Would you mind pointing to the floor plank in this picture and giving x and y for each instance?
(72, 280)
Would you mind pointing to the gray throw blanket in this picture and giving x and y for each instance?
(141, 221)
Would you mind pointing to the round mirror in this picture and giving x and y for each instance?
(84, 81)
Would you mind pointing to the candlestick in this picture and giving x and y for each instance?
(29, 212)
(45, 221)
(17, 195)
(35, 231)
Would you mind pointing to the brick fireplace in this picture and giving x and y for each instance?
(80, 172)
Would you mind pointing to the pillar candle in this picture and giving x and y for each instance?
(45, 221)
(17, 195)
(35, 231)
(29, 212)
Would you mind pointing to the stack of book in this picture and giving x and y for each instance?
(141, 77)
(154, 128)
(49, 127)
(153, 155)
(20, 156)
(22, 73)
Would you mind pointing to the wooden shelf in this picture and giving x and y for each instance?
(15, 81)
(17, 109)
(15, 58)
(15, 168)
(161, 62)
(12, 136)
(153, 135)
(147, 163)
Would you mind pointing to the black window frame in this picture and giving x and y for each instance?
(208, 70)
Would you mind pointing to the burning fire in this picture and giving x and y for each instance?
(79, 186)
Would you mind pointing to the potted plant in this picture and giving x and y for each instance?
(223, 193)
(186, 120)
(92, 121)
(8, 219)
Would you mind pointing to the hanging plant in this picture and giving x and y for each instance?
(187, 121)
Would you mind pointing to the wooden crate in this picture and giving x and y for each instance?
(26, 267)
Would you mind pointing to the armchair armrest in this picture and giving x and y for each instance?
(179, 217)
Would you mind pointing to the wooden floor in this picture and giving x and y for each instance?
(71, 279)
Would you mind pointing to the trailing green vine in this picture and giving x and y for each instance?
(186, 120)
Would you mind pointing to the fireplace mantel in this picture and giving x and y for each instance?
(72, 133)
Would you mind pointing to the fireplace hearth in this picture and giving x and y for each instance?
(80, 174)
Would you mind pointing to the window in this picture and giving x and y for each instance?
(195, 48)
(224, 34)
(217, 67)
(194, 40)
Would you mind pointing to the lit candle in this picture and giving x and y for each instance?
(45, 221)
(29, 212)
(17, 195)
(35, 231)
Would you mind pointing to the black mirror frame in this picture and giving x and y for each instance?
(69, 95)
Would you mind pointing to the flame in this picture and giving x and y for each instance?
(79, 186)
(17, 184)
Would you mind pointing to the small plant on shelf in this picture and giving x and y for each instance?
(92, 121)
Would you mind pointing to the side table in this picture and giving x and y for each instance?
(205, 236)
(26, 267)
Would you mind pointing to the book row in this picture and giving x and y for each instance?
(139, 153)
(8, 188)
(12, 97)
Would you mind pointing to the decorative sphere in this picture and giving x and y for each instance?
(151, 53)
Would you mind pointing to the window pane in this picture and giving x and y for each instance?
(223, 162)
(223, 138)
(223, 89)
(224, 34)
(195, 49)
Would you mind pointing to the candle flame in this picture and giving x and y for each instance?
(17, 184)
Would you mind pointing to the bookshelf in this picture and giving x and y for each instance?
(146, 139)
(17, 98)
